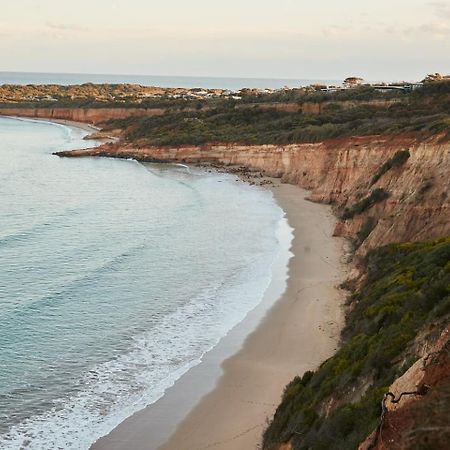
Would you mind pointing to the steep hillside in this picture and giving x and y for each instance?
(417, 406)
(396, 317)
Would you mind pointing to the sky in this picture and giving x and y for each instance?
(321, 39)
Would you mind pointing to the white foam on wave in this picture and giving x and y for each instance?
(115, 390)
(67, 128)
(74, 134)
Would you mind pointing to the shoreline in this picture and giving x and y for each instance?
(72, 123)
(69, 123)
(228, 398)
(234, 415)
(254, 361)
(93, 133)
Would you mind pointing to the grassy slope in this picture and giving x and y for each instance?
(408, 286)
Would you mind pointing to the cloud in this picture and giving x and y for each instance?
(65, 27)
(49, 29)
(333, 30)
(441, 9)
(434, 30)
(437, 29)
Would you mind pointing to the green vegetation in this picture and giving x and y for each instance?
(376, 196)
(397, 160)
(252, 120)
(360, 93)
(367, 228)
(311, 95)
(90, 95)
(408, 287)
(132, 95)
(426, 185)
(196, 117)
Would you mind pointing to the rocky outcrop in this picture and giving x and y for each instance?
(341, 172)
(108, 136)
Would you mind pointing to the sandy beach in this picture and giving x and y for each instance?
(228, 407)
(71, 123)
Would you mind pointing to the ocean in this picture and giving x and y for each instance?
(115, 279)
(155, 80)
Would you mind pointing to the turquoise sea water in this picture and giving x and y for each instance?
(115, 279)
(155, 80)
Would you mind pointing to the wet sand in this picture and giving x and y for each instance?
(225, 402)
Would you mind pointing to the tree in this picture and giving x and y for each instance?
(353, 81)
(432, 77)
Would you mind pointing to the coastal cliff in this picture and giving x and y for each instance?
(415, 205)
(99, 114)
(85, 115)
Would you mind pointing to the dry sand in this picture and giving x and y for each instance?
(297, 333)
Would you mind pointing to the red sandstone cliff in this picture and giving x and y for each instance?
(87, 115)
(101, 114)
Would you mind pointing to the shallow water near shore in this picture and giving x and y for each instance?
(115, 279)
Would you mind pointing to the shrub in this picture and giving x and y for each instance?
(397, 160)
(376, 196)
(252, 121)
(407, 288)
(426, 186)
(367, 228)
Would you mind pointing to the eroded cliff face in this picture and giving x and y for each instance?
(87, 115)
(102, 114)
(341, 172)
(418, 406)
(319, 108)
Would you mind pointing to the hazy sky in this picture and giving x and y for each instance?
(324, 39)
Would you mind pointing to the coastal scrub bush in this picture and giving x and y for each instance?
(376, 196)
(397, 160)
(233, 123)
(253, 118)
(257, 118)
(369, 224)
(426, 185)
(407, 288)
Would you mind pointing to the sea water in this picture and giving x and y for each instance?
(115, 279)
(156, 80)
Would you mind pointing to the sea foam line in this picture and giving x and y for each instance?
(115, 390)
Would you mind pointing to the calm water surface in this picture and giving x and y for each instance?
(155, 80)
